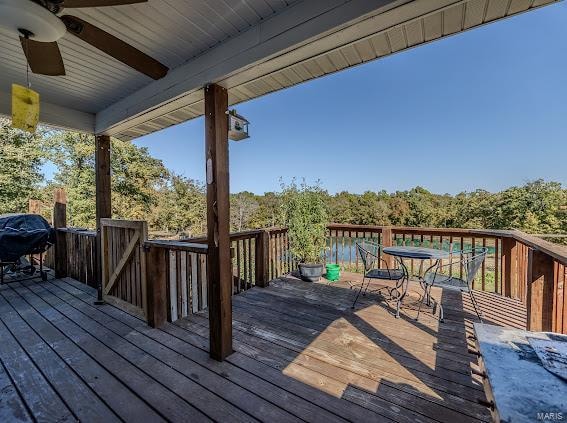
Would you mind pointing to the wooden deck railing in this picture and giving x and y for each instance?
(342, 250)
(257, 256)
(79, 258)
(176, 278)
(281, 260)
(518, 265)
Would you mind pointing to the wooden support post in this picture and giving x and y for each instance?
(262, 259)
(219, 268)
(559, 298)
(103, 202)
(509, 268)
(541, 289)
(387, 242)
(34, 206)
(156, 278)
(60, 221)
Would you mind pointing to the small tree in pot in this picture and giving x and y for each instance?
(305, 215)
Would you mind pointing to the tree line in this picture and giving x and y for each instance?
(143, 188)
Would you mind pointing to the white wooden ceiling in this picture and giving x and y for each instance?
(252, 47)
(172, 31)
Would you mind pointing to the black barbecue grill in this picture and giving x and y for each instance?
(23, 235)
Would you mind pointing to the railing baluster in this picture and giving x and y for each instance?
(451, 256)
(337, 247)
(237, 285)
(342, 259)
(351, 250)
(245, 258)
(461, 247)
(483, 270)
(497, 279)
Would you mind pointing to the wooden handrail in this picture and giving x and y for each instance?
(238, 236)
(532, 269)
(190, 247)
(415, 229)
(519, 265)
(79, 231)
(557, 251)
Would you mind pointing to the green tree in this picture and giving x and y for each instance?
(135, 177)
(21, 155)
(181, 208)
(268, 213)
(341, 207)
(243, 206)
(371, 209)
(534, 207)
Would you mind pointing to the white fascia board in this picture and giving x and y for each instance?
(295, 25)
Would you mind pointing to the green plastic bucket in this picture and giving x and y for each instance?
(333, 272)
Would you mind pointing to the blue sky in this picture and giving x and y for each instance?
(483, 109)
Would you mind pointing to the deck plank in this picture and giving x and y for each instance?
(301, 354)
(272, 393)
(393, 388)
(119, 398)
(310, 403)
(80, 398)
(389, 340)
(195, 396)
(223, 379)
(424, 343)
(12, 406)
(303, 337)
(167, 403)
(325, 369)
(41, 399)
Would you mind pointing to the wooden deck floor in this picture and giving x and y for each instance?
(301, 354)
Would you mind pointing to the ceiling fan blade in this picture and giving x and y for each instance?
(115, 47)
(43, 58)
(98, 3)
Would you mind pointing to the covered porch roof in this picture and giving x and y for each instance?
(251, 47)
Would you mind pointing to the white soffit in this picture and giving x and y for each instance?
(252, 47)
(372, 37)
(172, 31)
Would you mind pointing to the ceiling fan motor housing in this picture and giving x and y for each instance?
(19, 16)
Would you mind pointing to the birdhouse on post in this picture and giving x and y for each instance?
(237, 126)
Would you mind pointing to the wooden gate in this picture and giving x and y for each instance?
(123, 261)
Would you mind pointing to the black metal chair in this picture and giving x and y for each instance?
(371, 257)
(435, 276)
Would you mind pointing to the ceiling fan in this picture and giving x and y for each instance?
(40, 23)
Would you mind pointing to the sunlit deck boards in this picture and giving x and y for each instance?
(300, 354)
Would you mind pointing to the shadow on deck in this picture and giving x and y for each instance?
(300, 353)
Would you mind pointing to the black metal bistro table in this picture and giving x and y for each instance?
(415, 253)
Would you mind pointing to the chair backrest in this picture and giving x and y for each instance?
(369, 255)
(472, 261)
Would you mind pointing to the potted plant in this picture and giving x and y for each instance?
(305, 215)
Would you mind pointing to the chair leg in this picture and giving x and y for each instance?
(425, 294)
(367, 286)
(478, 313)
(358, 293)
